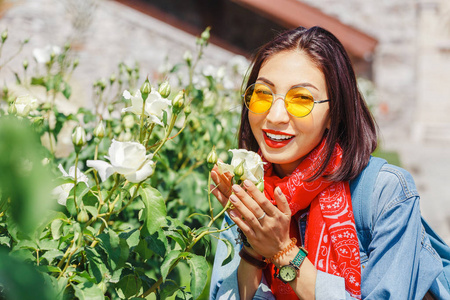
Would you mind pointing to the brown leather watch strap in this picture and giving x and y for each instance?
(260, 264)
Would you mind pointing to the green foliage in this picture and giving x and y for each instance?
(122, 236)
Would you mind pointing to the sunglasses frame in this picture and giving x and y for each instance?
(284, 99)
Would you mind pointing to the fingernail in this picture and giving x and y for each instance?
(236, 188)
(233, 198)
(279, 192)
(247, 183)
(232, 214)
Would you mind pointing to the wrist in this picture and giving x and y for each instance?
(253, 253)
(285, 259)
(252, 260)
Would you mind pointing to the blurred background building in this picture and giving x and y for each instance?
(400, 50)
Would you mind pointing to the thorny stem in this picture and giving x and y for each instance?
(63, 259)
(209, 196)
(75, 185)
(141, 125)
(97, 182)
(171, 125)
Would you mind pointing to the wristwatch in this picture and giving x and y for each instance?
(288, 272)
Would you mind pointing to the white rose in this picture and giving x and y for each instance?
(253, 165)
(155, 105)
(25, 104)
(43, 55)
(62, 192)
(126, 158)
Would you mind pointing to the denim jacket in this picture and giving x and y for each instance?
(400, 263)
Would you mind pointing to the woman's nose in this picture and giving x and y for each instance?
(278, 112)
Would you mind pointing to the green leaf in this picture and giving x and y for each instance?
(38, 81)
(116, 249)
(168, 289)
(51, 255)
(171, 259)
(157, 242)
(49, 269)
(128, 286)
(56, 228)
(199, 269)
(21, 280)
(92, 210)
(81, 277)
(47, 244)
(177, 237)
(154, 214)
(88, 291)
(97, 267)
(132, 237)
(67, 90)
(230, 252)
(143, 250)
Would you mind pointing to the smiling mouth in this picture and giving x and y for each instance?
(279, 137)
(276, 139)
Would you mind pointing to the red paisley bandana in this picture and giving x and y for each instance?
(331, 238)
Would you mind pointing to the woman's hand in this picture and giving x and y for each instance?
(266, 226)
(222, 189)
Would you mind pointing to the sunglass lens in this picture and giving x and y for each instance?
(258, 98)
(299, 102)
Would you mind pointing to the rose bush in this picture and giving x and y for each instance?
(136, 219)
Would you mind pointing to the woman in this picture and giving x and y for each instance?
(305, 116)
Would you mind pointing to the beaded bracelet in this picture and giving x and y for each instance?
(282, 252)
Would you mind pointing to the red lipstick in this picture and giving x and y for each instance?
(276, 143)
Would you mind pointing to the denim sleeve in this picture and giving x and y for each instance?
(400, 263)
(224, 283)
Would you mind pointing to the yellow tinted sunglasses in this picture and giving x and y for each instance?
(298, 101)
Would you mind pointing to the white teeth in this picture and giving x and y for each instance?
(279, 136)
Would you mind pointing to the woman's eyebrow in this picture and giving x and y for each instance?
(303, 84)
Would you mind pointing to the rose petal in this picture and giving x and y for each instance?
(103, 168)
(62, 192)
(141, 174)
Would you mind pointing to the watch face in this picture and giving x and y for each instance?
(288, 273)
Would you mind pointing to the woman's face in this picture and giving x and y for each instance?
(281, 72)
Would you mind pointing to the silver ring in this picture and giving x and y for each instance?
(262, 217)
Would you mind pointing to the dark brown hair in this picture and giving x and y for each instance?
(351, 123)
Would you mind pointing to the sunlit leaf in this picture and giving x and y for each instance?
(199, 267)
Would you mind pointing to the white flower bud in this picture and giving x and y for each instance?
(164, 89)
(188, 57)
(4, 35)
(178, 102)
(79, 138)
(146, 89)
(212, 158)
(99, 130)
(205, 34)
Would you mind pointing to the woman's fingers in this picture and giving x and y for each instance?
(222, 189)
(282, 203)
(247, 206)
(260, 198)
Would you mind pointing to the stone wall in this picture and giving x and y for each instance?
(102, 33)
(411, 63)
